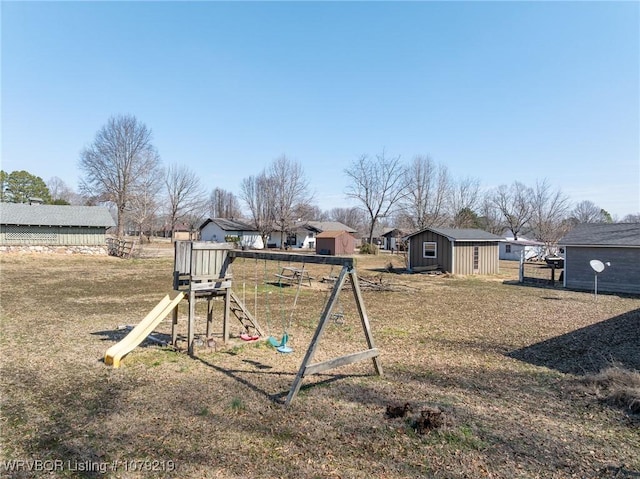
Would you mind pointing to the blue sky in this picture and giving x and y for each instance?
(501, 91)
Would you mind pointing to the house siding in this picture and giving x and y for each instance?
(443, 258)
(213, 232)
(514, 255)
(13, 235)
(623, 276)
(487, 257)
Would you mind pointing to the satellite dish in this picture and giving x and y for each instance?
(597, 265)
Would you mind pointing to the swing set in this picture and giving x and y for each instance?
(202, 270)
(280, 345)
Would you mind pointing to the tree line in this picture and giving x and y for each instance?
(121, 168)
(422, 193)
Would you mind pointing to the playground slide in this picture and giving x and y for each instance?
(138, 334)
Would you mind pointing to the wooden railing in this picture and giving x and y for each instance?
(120, 247)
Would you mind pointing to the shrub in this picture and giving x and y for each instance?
(368, 248)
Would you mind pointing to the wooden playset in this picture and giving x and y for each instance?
(202, 272)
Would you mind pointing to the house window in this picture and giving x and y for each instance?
(310, 235)
(429, 249)
(507, 248)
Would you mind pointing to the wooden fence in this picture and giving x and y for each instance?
(542, 273)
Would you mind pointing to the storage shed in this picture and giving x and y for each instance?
(335, 243)
(458, 251)
(617, 243)
(38, 227)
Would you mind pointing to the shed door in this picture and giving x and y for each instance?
(476, 259)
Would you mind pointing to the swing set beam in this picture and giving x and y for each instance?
(294, 257)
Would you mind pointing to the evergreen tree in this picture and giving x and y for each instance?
(21, 186)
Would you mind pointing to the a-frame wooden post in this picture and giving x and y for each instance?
(191, 323)
(306, 368)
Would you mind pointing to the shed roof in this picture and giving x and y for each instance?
(603, 234)
(226, 224)
(55, 215)
(462, 234)
(332, 234)
(393, 232)
(320, 226)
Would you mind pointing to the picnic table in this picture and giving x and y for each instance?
(293, 275)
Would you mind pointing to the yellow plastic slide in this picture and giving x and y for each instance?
(138, 334)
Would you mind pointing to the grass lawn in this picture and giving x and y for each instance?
(511, 368)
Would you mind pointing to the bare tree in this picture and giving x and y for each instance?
(224, 204)
(587, 212)
(427, 186)
(353, 217)
(549, 213)
(307, 212)
(257, 192)
(463, 201)
(145, 203)
(120, 155)
(490, 217)
(60, 192)
(290, 189)
(185, 197)
(632, 218)
(378, 184)
(514, 203)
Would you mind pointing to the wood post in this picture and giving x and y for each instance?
(357, 293)
(174, 327)
(227, 312)
(191, 323)
(209, 315)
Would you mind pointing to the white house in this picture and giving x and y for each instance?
(512, 249)
(219, 230)
(303, 234)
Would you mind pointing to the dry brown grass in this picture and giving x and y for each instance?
(501, 362)
(617, 386)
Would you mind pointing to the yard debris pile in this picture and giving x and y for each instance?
(427, 420)
(371, 283)
(394, 411)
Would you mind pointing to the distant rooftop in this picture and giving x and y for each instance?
(320, 226)
(54, 215)
(226, 224)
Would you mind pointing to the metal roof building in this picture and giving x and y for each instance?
(616, 243)
(24, 224)
(458, 251)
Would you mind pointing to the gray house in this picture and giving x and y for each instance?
(617, 243)
(458, 251)
(38, 227)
